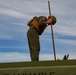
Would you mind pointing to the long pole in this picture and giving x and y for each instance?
(52, 31)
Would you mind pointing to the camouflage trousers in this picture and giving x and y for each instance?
(33, 42)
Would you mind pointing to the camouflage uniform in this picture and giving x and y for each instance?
(33, 38)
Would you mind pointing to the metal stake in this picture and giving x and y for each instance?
(52, 31)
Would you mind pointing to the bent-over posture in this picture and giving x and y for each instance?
(36, 28)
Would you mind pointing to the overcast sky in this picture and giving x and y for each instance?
(14, 15)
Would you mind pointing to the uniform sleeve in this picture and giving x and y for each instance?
(42, 21)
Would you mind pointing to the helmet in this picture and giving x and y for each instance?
(54, 20)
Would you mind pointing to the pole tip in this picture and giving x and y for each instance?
(48, 0)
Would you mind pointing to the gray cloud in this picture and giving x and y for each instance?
(18, 57)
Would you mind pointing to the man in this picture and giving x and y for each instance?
(36, 28)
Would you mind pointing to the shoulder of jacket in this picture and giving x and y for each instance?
(42, 18)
